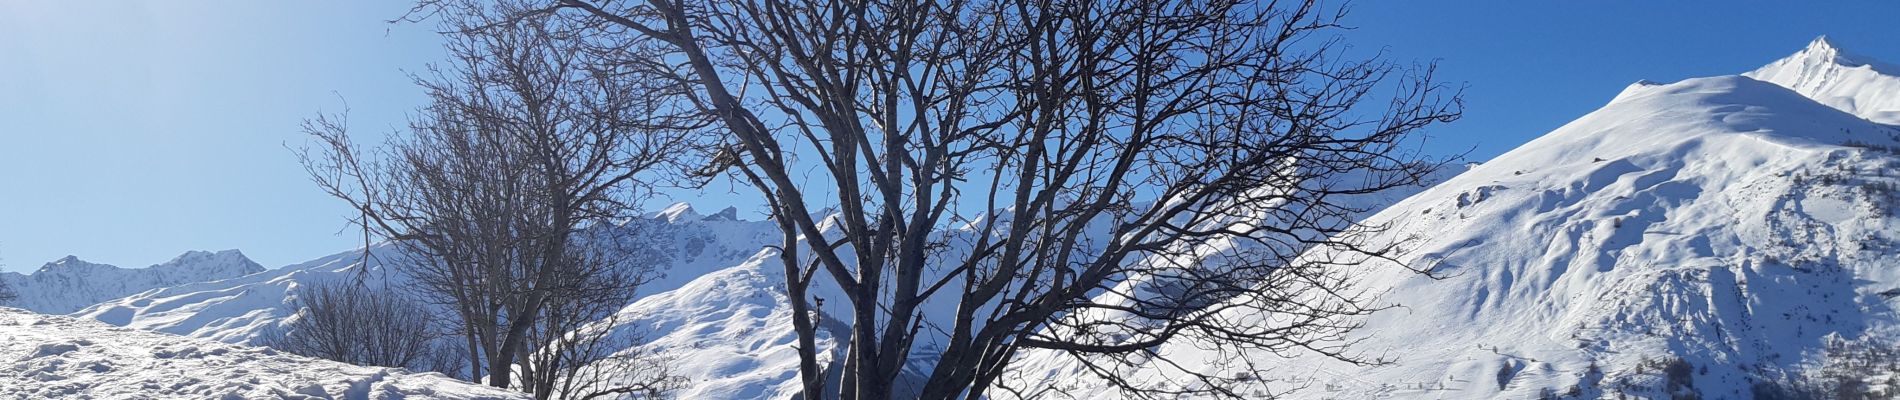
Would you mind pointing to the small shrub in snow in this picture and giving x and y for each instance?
(358, 325)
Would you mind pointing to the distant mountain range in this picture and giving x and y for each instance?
(69, 284)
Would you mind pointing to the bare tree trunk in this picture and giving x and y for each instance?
(474, 355)
(802, 319)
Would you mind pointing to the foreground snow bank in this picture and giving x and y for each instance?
(45, 356)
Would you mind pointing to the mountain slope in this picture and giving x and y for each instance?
(713, 310)
(55, 357)
(69, 284)
(236, 310)
(728, 332)
(231, 310)
(1732, 223)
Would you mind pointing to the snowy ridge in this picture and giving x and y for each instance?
(1841, 79)
(232, 310)
(236, 310)
(69, 284)
(48, 356)
(1733, 223)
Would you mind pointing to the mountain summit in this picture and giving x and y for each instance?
(1836, 77)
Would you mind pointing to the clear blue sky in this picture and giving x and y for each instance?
(133, 131)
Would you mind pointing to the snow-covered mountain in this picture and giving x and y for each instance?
(235, 310)
(716, 305)
(1857, 84)
(61, 357)
(231, 310)
(69, 284)
(1708, 236)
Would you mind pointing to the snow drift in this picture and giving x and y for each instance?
(47, 356)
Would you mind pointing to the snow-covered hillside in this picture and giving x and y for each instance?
(235, 310)
(1728, 222)
(231, 310)
(714, 305)
(50, 357)
(69, 284)
(728, 332)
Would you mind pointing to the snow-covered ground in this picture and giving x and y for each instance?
(1730, 222)
(69, 284)
(54, 357)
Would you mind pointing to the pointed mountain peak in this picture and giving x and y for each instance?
(1825, 51)
(728, 214)
(1821, 43)
(195, 257)
(1829, 74)
(197, 265)
(677, 212)
(70, 262)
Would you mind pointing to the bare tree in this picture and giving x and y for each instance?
(581, 356)
(347, 322)
(522, 146)
(593, 362)
(1087, 154)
